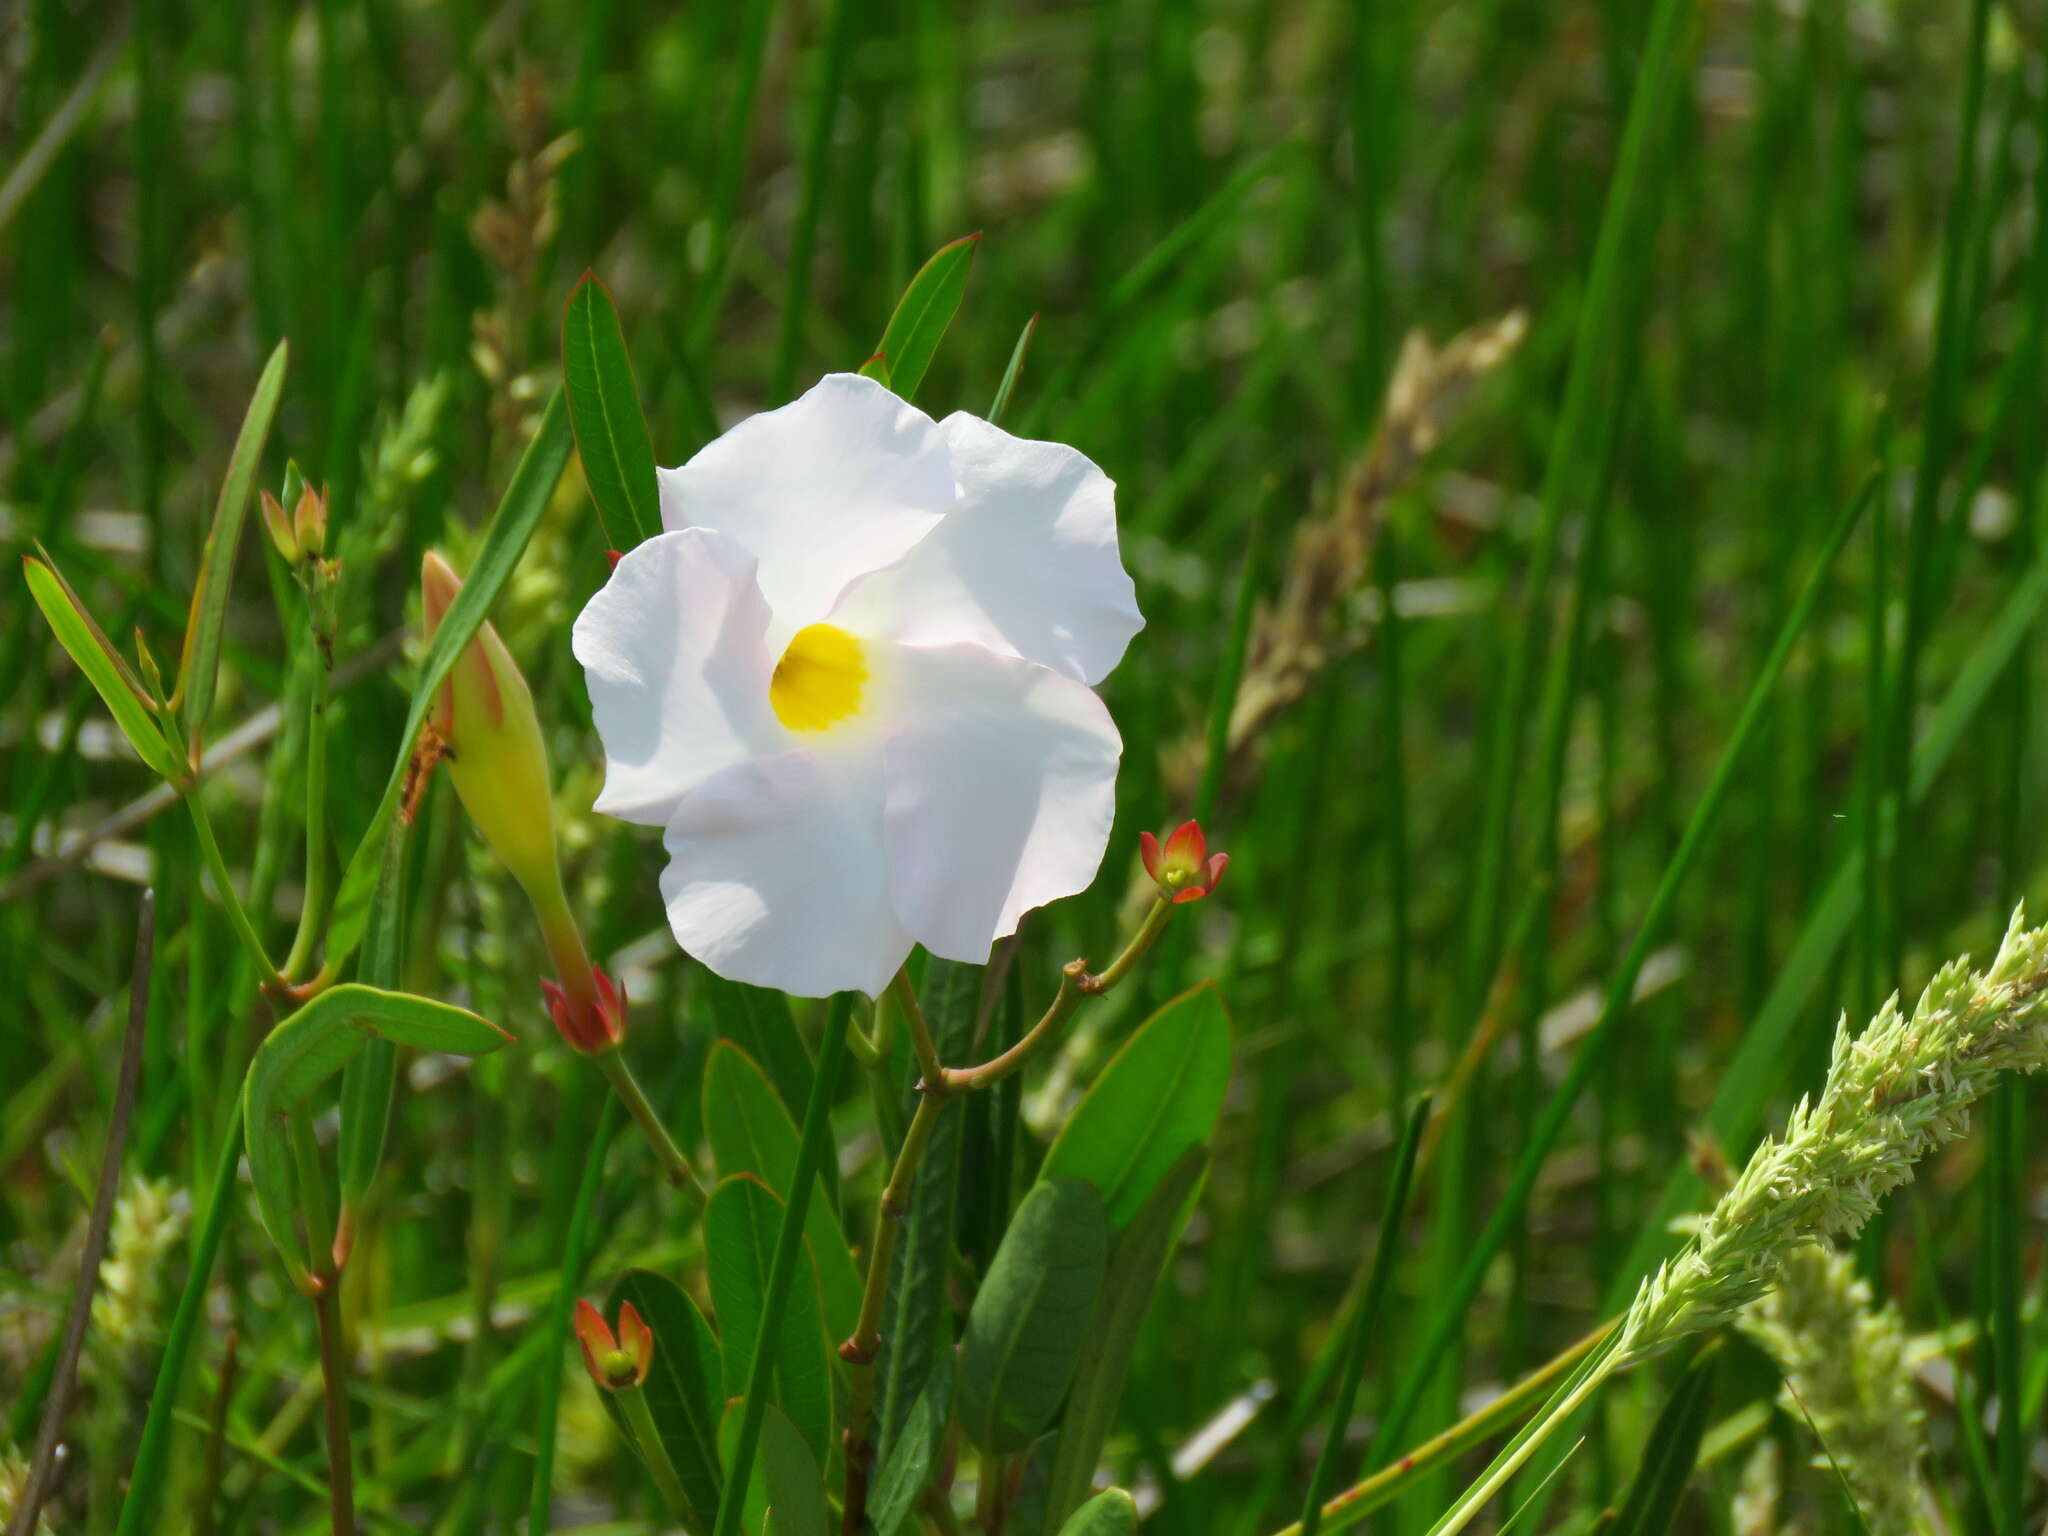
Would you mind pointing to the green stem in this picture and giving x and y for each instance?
(675, 1167)
(653, 1454)
(313, 909)
(341, 1494)
(1361, 1499)
(1140, 945)
(237, 917)
(928, 1064)
(326, 1296)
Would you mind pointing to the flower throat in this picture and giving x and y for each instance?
(819, 680)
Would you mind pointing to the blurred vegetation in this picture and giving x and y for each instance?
(1444, 647)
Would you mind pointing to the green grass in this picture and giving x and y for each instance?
(1566, 735)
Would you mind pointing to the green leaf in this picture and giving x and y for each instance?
(265, 1139)
(310, 1047)
(526, 498)
(785, 1490)
(1025, 1329)
(200, 664)
(909, 1466)
(740, 1223)
(916, 1320)
(684, 1386)
(604, 408)
(1673, 1448)
(369, 1083)
(751, 1131)
(1135, 1265)
(1158, 1096)
(758, 1022)
(922, 315)
(1110, 1513)
(102, 665)
(876, 368)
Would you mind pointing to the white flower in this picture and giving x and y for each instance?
(851, 681)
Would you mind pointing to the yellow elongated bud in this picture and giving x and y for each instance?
(496, 755)
(499, 762)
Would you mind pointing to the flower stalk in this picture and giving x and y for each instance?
(492, 743)
(938, 1085)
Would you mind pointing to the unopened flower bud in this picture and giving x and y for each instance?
(590, 1022)
(279, 528)
(309, 522)
(491, 738)
(614, 1362)
(496, 756)
(1183, 869)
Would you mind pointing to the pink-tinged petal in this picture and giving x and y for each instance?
(1026, 563)
(1212, 872)
(636, 1341)
(1187, 847)
(840, 482)
(777, 877)
(675, 655)
(596, 1339)
(1148, 854)
(1000, 790)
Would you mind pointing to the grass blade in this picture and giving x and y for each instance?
(200, 664)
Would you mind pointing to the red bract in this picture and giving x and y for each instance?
(589, 1023)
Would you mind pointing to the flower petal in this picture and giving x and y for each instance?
(837, 483)
(776, 875)
(1000, 787)
(1025, 564)
(675, 655)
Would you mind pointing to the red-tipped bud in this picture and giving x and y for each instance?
(496, 755)
(614, 1363)
(591, 1024)
(1183, 868)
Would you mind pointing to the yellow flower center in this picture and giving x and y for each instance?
(819, 680)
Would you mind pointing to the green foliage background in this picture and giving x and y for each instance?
(1226, 217)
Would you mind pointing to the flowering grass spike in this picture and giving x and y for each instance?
(852, 682)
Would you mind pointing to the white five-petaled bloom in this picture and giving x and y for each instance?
(852, 683)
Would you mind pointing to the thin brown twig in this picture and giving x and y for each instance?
(66, 1375)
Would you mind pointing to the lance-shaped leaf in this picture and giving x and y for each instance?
(1158, 1096)
(1025, 1329)
(1110, 1513)
(1135, 1265)
(751, 1132)
(200, 664)
(922, 315)
(740, 1226)
(909, 1466)
(785, 1489)
(526, 498)
(102, 665)
(604, 407)
(684, 1386)
(310, 1047)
